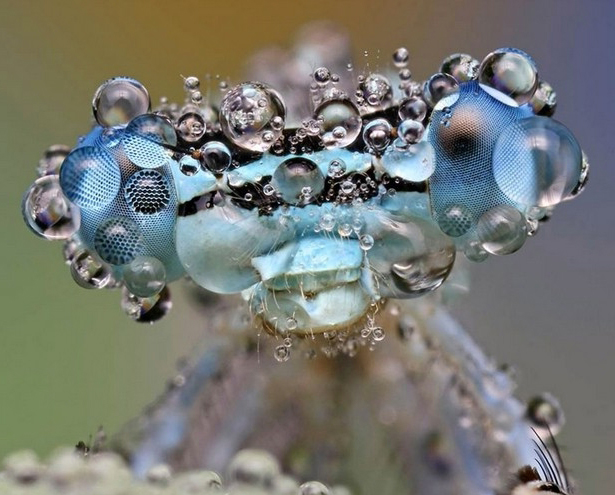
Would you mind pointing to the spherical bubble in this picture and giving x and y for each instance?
(52, 159)
(461, 66)
(313, 488)
(544, 100)
(438, 86)
(337, 168)
(119, 100)
(90, 177)
(377, 135)
(545, 414)
(216, 157)
(247, 112)
(376, 91)
(118, 240)
(510, 71)
(322, 76)
(366, 242)
(413, 108)
(147, 140)
(191, 83)
(502, 230)
(293, 177)
(401, 57)
(253, 467)
(146, 309)
(336, 114)
(410, 131)
(415, 164)
(281, 353)
(537, 161)
(455, 220)
(47, 212)
(188, 165)
(144, 276)
(191, 127)
(90, 272)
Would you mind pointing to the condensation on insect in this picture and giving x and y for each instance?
(358, 189)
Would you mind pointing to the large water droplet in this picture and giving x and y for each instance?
(247, 114)
(216, 157)
(253, 467)
(461, 66)
(510, 71)
(119, 100)
(47, 212)
(545, 413)
(376, 91)
(144, 276)
(292, 178)
(439, 86)
(502, 230)
(90, 272)
(339, 115)
(146, 309)
(377, 135)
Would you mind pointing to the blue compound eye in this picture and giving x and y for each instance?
(118, 241)
(147, 192)
(90, 177)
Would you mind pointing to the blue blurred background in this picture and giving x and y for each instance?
(70, 361)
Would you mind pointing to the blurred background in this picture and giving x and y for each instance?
(71, 361)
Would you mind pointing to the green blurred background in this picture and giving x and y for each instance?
(70, 361)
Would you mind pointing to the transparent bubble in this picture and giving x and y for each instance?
(313, 488)
(322, 75)
(144, 276)
(191, 83)
(268, 190)
(292, 176)
(281, 353)
(188, 165)
(378, 334)
(376, 91)
(461, 66)
(545, 413)
(583, 178)
(47, 212)
(438, 86)
(366, 242)
(414, 163)
(253, 467)
(544, 100)
(52, 160)
(421, 274)
(474, 252)
(119, 100)
(327, 222)
(339, 113)
(511, 72)
(537, 161)
(216, 156)
(502, 230)
(89, 271)
(455, 220)
(401, 57)
(191, 127)
(248, 111)
(146, 309)
(412, 108)
(377, 135)
(410, 131)
(147, 140)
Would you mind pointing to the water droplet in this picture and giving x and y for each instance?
(144, 276)
(339, 114)
(461, 66)
(247, 112)
(502, 230)
(146, 309)
(216, 156)
(337, 168)
(52, 160)
(511, 72)
(119, 100)
(455, 220)
(327, 222)
(268, 190)
(376, 90)
(412, 108)
(196, 97)
(544, 100)
(378, 334)
(401, 57)
(314, 487)
(438, 86)
(377, 135)
(188, 165)
(410, 131)
(292, 176)
(547, 161)
(47, 212)
(322, 76)
(90, 272)
(191, 83)
(253, 467)
(191, 127)
(347, 187)
(545, 413)
(366, 242)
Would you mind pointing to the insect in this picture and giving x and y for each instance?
(315, 221)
